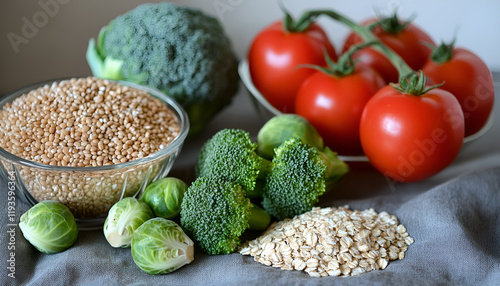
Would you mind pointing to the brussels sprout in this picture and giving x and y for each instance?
(164, 196)
(160, 246)
(123, 219)
(49, 226)
(282, 127)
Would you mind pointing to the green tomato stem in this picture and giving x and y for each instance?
(344, 66)
(299, 26)
(345, 63)
(392, 24)
(442, 53)
(365, 33)
(410, 81)
(414, 84)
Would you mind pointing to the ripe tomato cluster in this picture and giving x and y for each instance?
(364, 101)
(275, 56)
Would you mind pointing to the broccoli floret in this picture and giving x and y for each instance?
(288, 185)
(299, 175)
(231, 154)
(178, 50)
(215, 213)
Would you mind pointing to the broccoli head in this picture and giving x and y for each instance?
(288, 185)
(177, 50)
(298, 177)
(215, 213)
(230, 154)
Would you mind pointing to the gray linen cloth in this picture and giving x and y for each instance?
(456, 227)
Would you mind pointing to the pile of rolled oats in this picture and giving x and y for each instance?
(331, 242)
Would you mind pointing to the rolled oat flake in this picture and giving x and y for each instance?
(331, 242)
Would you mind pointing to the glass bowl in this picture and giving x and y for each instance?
(89, 192)
(265, 110)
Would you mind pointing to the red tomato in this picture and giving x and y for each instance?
(468, 78)
(274, 58)
(408, 137)
(334, 106)
(409, 44)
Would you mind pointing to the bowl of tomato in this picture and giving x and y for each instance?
(266, 110)
(443, 97)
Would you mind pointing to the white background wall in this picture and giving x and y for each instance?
(56, 46)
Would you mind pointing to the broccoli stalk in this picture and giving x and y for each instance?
(215, 212)
(100, 65)
(177, 50)
(259, 218)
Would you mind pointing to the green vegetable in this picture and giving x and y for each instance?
(230, 154)
(49, 226)
(160, 246)
(299, 175)
(175, 49)
(215, 212)
(281, 127)
(123, 219)
(164, 196)
(289, 185)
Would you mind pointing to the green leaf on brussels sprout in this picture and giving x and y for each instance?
(160, 246)
(123, 219)
(49, 226)
(282, 127)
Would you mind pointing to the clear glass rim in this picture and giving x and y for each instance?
(172, 147)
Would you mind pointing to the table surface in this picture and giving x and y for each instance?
(447, 250)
